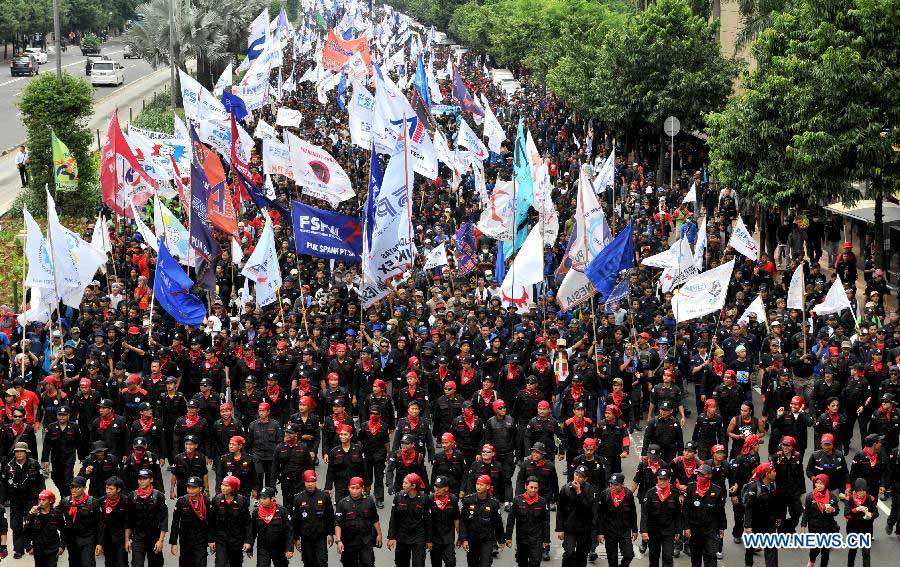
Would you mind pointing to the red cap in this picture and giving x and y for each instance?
(49, 380)
(379, 383)
(789, 441)
(281, 344)
(237, 439)
(543, 404)
(415, 480)
(590, 442)
(645, 335)
(798, 400)
(133, 330)
(356, 481)
(413, 361)
(412, 374)
(47, 495)
(730, 374)
(309, 476)
(232, 481)
(264, 406)
(334, 375)
(450, 384)
(133, 379)
(226, 405)
(483, 479)
(668, 372)
(448, 438)
(85, 382)
(717, 448)
(613, 409)
(848, 245)
(308, 402)
(487, 447)
(498, 405)
(344, 428)
(709, 403)
(826, 438)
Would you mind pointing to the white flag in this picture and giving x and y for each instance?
(468, 139)
(64, 267)
(199, 103)
(262, 266)
(703, 294)
(225, 81)
(40, 307)
(683, 271)
(496, 218)
(526, 270)
(755, 307)
(320, 175)
(797, 289)
(149, 237)
(592, 232)
(360, 109)
(493, 131)
(392, 118)
(606, 177)
(288, 117)
(691, 196)
(236, 253)
(177, 237)
(742, 241)
(436, 257)
(100, 236)
(666, 259)
(277, 158)
(835, 300)
(264, 131)
(40, 266)
(700, 246)
(392, 249)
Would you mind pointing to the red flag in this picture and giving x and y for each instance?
(238, 165)
(221, 206)
(337, 52)
(121, 176)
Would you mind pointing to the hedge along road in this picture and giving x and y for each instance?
(140, 83)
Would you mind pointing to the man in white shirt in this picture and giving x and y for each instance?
(22, 164)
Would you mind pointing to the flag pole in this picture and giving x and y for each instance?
(55, 286)
(24, 293)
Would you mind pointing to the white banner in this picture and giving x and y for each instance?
(360, 123)
(277, 159)
(703, 294)
(320, 175)
(742, 241)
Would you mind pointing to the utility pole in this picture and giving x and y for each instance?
(56, 40)
(172, 97)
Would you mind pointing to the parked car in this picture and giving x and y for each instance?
(129, 53)
(90, 44)
(23, 65)
(39, 54)
(91, 59)
(107, 72)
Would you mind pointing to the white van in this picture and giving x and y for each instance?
(106, 72)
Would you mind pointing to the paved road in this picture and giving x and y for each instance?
(140, 83)
(882, 552)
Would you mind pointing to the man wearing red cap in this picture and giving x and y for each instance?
(412, 390)
(313, 516)
(263, 435)
(831, 461)
(541, 428)
(238, 464)
(85, 405)
(229, 517)
(793, 421)
(480, 526)
(223, 429)
(410, 523)
(43, 531)
(449, 463)
(131, 397)
(378, 398)
(346, 460)
(613, 437)
(741, 469)
(761, 510)
(308, 425)
(355, 518)
(788, 465)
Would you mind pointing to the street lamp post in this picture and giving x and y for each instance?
(56, 40)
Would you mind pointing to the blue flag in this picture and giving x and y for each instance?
(259, 198)
(606, 265)
(234, 104)
(342, 91)
(421, 82)
(171, 288)
(462, 96)
(622, 289)
(376, 176)
(465, 248)
(326, 234)
(500, 264)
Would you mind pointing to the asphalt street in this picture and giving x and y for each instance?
(140, 83)
(883, 547)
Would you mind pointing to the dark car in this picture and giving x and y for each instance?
(23, 65)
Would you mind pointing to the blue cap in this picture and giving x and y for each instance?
(71, 343)
(423, 329)
(377, 327)
(351, 333)
(663, 341)
(429, 344)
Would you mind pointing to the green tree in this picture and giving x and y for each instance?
(821, 110)
(665, 61)
(64, 107)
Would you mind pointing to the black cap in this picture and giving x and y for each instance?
(690, 446)
(705, 470)
(171, 379)
(98, 446)
(408, 439)
(871, 439)
(145, 473)
(193, 404)
(617, 478)
(206, 382)
(441, 482)
(191, 439)
(267, 492)
(195, 481)
(582, 471)
(666, 405)
(540, 448)
(532, 379)
(144, 406)
(578, 405)
(105, 403)
(79, 482)
(888, 397)
(139, 442)
(653, 450)
(250, 379)
(663, 473)
(292, 428)
(860, 484)
(63, 410)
